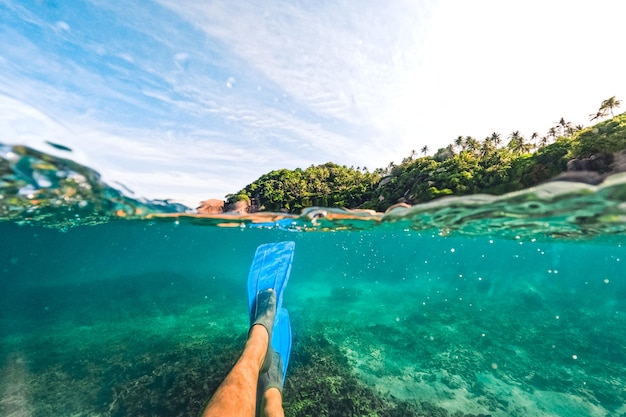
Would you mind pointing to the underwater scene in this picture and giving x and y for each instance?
(472, 306)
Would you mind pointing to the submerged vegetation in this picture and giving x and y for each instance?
(136, 365)
(178, 379)
(495, 165)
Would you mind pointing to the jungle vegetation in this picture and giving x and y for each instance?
(495, 165)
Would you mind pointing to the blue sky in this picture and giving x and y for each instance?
(192, 99)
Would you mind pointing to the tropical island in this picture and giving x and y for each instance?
(495, 165)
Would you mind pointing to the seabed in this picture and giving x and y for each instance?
(149, 345)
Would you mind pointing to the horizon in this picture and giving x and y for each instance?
(186, 101)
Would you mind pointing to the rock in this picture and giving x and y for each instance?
(211, 206)
(619, 162)
(597, 163)
(595, 169)
(241, 207)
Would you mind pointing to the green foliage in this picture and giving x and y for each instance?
(233, 198)
(467, 166)
(328, 185)
(604, 138)
(486, 168)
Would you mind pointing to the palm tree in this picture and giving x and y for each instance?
(610, 104)
(487, 147)
(552, 132)
(517, 143)
(471, 144)
(534, 136)
(527, 146)
(598, 115)
(413, 154)
(543, 141)
(496, 139)
(460, 142)
(424, 149)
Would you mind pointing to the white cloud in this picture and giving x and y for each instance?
(62, 26)
(339, 60)
(342, 70)
(163, 167)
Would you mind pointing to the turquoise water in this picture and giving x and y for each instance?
(493, 310)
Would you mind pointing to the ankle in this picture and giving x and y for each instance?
(272, 403)
(264, 310)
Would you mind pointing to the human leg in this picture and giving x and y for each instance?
(237, 394)
(271, 379)
(272, 403)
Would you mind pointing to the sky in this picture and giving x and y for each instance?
(194, 99)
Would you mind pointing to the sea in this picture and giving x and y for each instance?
(481, 305)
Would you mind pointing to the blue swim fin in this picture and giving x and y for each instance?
(281, 339)
(270, 269)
